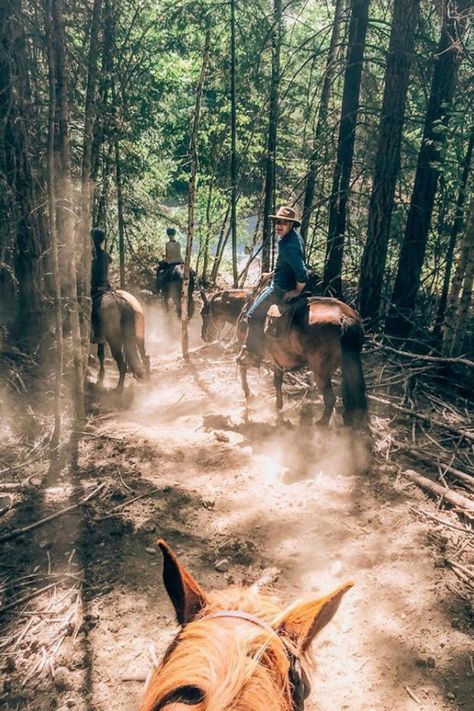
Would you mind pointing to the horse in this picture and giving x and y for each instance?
(169, 282)
(123, 327)
(221, 308)
(236, 648)
(324, 334)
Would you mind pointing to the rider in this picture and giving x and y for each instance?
(289, 279)
(99, 281)
(172, 257)
(172, 248)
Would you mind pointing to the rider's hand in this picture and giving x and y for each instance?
(291, 294)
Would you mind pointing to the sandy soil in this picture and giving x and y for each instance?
(178, 460)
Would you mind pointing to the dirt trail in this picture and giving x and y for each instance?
(259, 496)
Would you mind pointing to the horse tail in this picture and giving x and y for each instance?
(130, 345)
(354, 396)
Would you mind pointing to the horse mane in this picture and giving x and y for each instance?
(249, 674)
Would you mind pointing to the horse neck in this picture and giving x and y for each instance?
(232, 309)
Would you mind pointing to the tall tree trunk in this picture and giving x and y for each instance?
(221, 243)
(65, 206)
(121, 220)
(387, 162)
(233, 137)
(269, 202)
(345, 146)
(412, 254)
(191, 198)
(456, 329)
(17, 168)
(86, 173)
(457, 227)
(466, 255)
(102, 118)
(53, 233)
(329, 74)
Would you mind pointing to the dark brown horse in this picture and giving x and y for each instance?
(221, 308)
(324, 334)
(122, 324)
(169, 282)
(236, 648)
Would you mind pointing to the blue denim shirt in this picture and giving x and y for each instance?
(290, 266)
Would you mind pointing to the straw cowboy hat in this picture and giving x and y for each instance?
(286, 213)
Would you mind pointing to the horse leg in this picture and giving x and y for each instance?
(278, 382)
(244, 381)
(101, 357)
(145, 357)
(324, 384)
(121, 365)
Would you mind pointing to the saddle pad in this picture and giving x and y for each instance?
(235, 294)
(320, 311)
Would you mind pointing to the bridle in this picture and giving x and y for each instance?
(299, 683)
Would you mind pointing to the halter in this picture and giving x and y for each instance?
(298, 680)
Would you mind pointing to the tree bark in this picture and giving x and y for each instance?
(65, 205)
(191, 198)
(121, 220)
(86, 173)
(51, 179)
(17, 168)
(233, 137)
(457, 227)
(387, 162)
(345, 146)
(329, 74)
(269, 201)
(412, 254)
(462, 285)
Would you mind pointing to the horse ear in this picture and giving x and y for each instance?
(204, 297)
(186, 595)
(302, 622)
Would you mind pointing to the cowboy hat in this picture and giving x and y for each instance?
(287, 214)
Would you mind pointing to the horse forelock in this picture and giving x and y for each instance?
(235, 664)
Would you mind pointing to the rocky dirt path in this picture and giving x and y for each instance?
(235, 499)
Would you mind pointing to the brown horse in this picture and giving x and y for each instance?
(123, 327)
(236, 649)
(324, 334)
(221, 308)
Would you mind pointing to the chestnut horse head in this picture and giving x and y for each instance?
(220, 308)
(236, 649)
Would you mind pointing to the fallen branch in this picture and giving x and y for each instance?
(467, 531)
(26, 598)
(424, 418)
(425, 458)
(20, 531)
(431, 359)
(457, 566)
(453, 498)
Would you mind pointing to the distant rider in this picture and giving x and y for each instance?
(289, 279)
(99, 280)
(172, 257)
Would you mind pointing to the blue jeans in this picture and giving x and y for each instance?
(256, 317)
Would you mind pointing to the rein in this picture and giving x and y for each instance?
(298, 680)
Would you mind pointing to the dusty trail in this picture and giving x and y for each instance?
(257, 496)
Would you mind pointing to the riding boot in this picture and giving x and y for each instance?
(251, 352)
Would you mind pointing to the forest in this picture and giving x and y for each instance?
(137, 116)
